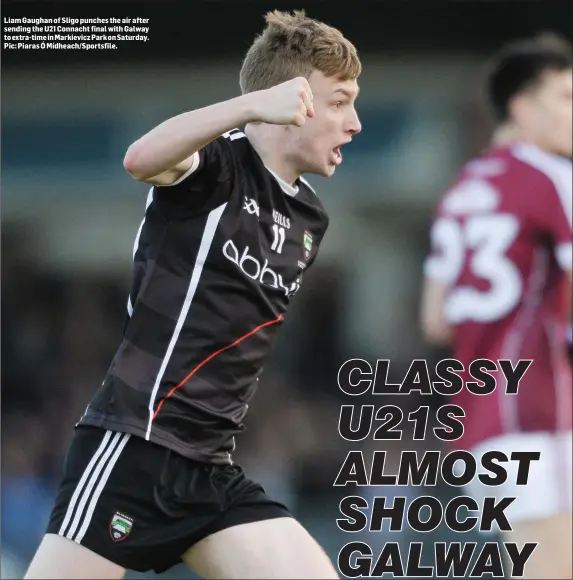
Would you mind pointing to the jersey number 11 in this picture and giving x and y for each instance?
(279, 239)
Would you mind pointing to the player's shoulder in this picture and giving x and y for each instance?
(556, 169)
(234, 141)
(232, 146)
(237, 146)
(241, 159)
(506, 173)
(308, 194)
(471, 190)
(516, 160)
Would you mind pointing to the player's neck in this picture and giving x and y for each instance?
(506, 135)
(268, 146)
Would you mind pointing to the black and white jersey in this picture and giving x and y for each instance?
(217, 260)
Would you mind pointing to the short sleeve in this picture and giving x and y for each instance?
(445, 256)
(207, 184)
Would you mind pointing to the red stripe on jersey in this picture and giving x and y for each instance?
(212, 356)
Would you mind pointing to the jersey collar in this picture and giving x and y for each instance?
(286, 187)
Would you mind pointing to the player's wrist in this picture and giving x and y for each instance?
(250, 106)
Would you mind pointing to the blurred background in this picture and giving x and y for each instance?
(70, 214)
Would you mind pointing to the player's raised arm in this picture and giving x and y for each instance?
(168, 151)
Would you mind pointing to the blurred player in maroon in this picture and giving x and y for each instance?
(498, 286)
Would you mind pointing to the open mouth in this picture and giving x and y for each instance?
(337, 155)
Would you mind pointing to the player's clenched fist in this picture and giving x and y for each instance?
(289, 103)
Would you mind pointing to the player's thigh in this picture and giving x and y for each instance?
(273, 548)
(541, 510)
(58, 557)
(548, 490)
(552, 558)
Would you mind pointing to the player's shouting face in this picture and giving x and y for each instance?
(318, 118)
(311, 71)
(317, 145)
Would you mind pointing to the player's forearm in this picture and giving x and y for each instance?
(176, 139)
(435, 327)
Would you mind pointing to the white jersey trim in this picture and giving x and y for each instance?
(91, 485)
(206, 241)
(136, 245)
(308, 184)
(437, 268)
(446, 265)
(196, 159)
(192, 169)
(286, 187)
(564, 256)
(234, 134)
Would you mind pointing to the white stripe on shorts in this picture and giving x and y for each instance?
(84, 490)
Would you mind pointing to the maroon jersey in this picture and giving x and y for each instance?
(501, 240)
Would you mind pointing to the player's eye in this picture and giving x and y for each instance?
(338, 104)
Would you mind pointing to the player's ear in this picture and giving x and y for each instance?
(519, 108)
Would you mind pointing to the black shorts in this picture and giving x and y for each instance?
(143, 506)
